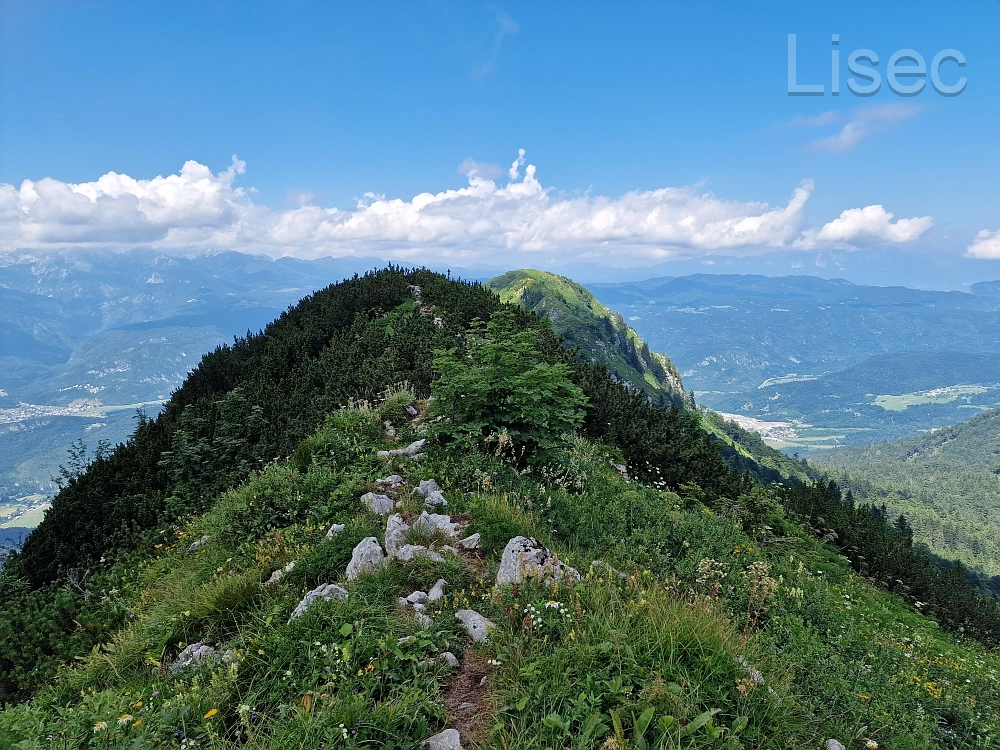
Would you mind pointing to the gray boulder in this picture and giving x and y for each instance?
(199, 544)
(470, 542)
(324, 592)
(431, 522)
(411, 450)
(477, 626)
(392, 481)
(524, 557)
(424, 621)
(449, 739)
(426, 487)
(277, 575)
(435, 500)
(191, 655)
(449, 659)
(834, 745)
(380, 504)
(334, 530)
(395, 533)
(365, 558)
(437, 590)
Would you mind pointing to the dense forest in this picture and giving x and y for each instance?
(945, 482)
(167, 543)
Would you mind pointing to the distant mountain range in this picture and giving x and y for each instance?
(845, 363)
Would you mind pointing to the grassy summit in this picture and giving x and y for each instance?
(602, 335)
(165, 601)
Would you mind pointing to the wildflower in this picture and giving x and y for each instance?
(101, 726)
(124, 720)
(370, 667)
(155, 693)
(871, 744)
(211, 713)
(137, 722)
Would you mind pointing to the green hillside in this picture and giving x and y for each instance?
(605, 338)
(219, 581)
(946, 482)
(602, 335)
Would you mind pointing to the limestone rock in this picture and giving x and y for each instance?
(426, 487)
(431, 522)
(395, 533)
(449, 739)
(367, 557)
(410, 551)
(199, 544)
(477, 626)
(437, 590)
(392, 481)
(424, 621)
(435, 500)
(834, 745)
(390, 431)
(380, 504)
(334, 530)
(411, 450)
(192, 654)
(324, 592)
(524, 557)
(277, 575)
(470, 542)
(417, 597)
(449, 659)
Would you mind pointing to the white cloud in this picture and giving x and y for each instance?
(863, 121)
(484, 220)
(866, 226)
(986, 245)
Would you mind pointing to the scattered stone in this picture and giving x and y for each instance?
(417, 597)
(424, 621)
(449, 549)
(449, 659)
(365, 558)
(470, 542)
(390, 431)
(435, 500)
(525, 557)
(437, 590)
(199, 544)
(412, 450)
(277, 575)
(426, 487)
(324, 592)
(622, 469)
(754, 673)
(465, 706)
(834, 745)
(409, 551)
(431, 522)
(392, 481)
(449, 739)
(477, 626)
(230, 657)
(412, 410)
(335, 529)
(395, 533)
(193, 653)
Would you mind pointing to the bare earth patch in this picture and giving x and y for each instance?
(468, 700)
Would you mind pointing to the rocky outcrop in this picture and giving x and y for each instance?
(431, 522)
(277, 575)
(376, 503)
(525, 557)
(366, 557)
(477, 626)
(470, 542)
(410, 551)
(199, 544)
(191, 655)
(324, 592)
(334, 530)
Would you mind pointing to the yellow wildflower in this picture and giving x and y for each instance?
(211, 713)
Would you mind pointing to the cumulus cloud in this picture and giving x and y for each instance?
(986, 245)
(483, 220)
(867, 226)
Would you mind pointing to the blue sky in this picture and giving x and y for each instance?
(324, 103)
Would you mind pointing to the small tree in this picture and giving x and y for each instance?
(501, 389)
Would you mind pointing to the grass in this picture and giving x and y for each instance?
(691, 634)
